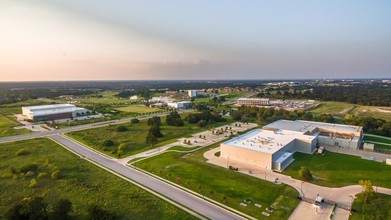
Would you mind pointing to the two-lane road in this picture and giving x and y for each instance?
(177, 195)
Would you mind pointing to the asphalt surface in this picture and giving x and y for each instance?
(179, 196)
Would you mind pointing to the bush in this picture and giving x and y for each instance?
(22, 152)
(305, 174)
(33, 183)
(134, 121)
(201, 123)
(108, 143)
(56, 175)
(42, 175)
(28, 167)
(121, 128)
(29, 174)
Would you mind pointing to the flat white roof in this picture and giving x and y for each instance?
(40, 110)
(255, 99)
(304, 126)
(266, 141)
(38, 107)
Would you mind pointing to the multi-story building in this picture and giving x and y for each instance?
(253, 102)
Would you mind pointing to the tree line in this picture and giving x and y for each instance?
(374, 94)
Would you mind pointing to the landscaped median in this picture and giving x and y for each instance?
(241, 192)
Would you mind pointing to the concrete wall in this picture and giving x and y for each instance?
(305, 146)
(253, 158)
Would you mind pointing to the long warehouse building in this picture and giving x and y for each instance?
(53, 112)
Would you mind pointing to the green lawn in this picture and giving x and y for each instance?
(333, 108)
(381, 204)
(106, 98)
(134, 137)
(336, 170)
(373, 111)
(8, 122)
(82, 183)
(228, 187)
(379, 139)
(139, 109)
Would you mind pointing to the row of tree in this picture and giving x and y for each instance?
(364, 94)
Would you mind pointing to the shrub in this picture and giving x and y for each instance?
(28, 167)
(108, 143)
(42, 175)
(305, 174)
(29, 174)
(22, 152)
(122, 128)
(134, 121)
(33, 183)
(56, 175)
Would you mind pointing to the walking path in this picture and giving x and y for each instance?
(207, 138)
(342, 195)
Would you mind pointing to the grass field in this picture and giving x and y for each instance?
(134, 137)
(81, 182)
(139, 109)
(381, 203)
(8, 122)
(106, 98)
(373, 111)
(333, 108)
(336, 170)
(223, 185)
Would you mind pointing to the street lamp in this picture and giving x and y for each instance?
(228, 161)
(301, 189)
(265, 171)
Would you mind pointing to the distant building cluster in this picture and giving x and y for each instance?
(53, 112)
(273, 146)
(289, 105)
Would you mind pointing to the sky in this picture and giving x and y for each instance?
(199, 39)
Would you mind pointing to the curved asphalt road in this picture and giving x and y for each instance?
(184, 198)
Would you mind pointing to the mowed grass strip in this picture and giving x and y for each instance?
(337, 170)
(140, 109)
(134, 137)
(228, 187)
(377, 139)
(81, 182)
(380, 206)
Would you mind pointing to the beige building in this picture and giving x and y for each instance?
(273, 146)
(253, 101)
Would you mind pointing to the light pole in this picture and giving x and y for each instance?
(265, 171)
(301, 189)
(228, 161)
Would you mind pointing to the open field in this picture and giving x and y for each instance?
(134, 137)
(373, 111)
(381, 202)
(343, 108)
(228, 187)
(8, 122)
(139, 109)
(81, 182)
(106, 98)
(333, 108)
(336, 170)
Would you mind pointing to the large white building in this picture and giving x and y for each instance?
(273, 146)
(253, 101)
(182, 104)
(193, 93)
(53, 112)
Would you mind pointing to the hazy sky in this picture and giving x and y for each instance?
(199, 39)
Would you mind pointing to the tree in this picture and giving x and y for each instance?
(151, 139)
(367, 189)
(305, 174)
(122, 128)
(108, 143)
(134, 121)
(95, 212)
(60, 210)
(174, 119)
(29, 208)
